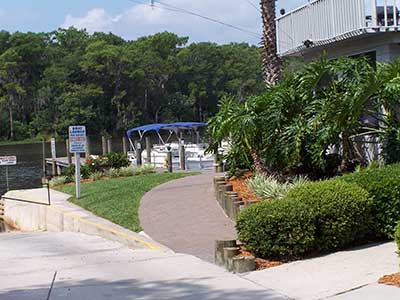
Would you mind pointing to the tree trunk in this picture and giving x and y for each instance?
(271, 61)
(258, 164)
(11, 120)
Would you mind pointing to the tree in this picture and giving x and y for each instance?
(271, 61)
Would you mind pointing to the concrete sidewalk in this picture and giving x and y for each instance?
(91, 268)
(184, 215)
(351, 274)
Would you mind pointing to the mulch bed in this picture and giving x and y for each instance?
(393, 279)
(240, 187)
(261, 264)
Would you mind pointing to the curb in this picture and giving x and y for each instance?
(62, 215)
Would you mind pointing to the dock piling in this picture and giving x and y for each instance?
(124, 145)
(104, 144)
(148, 149)
(109, 145)
(69, 157)
(138, 153)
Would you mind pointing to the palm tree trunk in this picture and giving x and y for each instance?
(258, 164)
(271, 61)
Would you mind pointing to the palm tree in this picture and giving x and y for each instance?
(271, 61)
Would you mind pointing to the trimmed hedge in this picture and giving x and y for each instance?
(277, 229)
(383, 184)
(314, 217)
(342, 212)
(397, 236)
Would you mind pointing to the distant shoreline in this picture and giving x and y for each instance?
(22, 142)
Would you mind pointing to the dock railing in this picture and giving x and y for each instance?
(324, 21)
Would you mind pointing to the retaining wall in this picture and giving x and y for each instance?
(62, 215)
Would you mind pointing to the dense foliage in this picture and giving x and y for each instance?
(313, 218)
(49, 81)
(277, 229)
(383, 184)
(315, 120)
(397, 236)
(342, 212)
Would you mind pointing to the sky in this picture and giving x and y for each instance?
(135, 18)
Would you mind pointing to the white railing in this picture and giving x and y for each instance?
(322, 21)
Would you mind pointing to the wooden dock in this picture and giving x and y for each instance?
(60, 162)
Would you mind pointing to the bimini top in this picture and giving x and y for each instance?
(175, 127)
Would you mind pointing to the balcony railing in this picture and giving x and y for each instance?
(323, 21)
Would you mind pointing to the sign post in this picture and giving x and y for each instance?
(77, 145)
(8, 161)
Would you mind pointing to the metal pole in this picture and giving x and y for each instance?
(374, 18)
(8, 187)
(78, 175)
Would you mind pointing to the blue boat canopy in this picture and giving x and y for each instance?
(173, 127)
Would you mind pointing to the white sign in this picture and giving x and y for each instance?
(53, 148)
(8, 160)
(77, 139)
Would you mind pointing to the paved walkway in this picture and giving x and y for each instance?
(351, 274)
(66, 265)
(184, 216)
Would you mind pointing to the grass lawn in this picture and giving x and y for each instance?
(118, 199)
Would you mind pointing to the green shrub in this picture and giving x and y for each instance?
(397, 236)
(60, 180)
(128, 171)
(135, 171)
(146, 170)
(383, 184)
(98, 164)
(112, 173)
(70, 172)
(96, 176)
(117, 160)
(277, 228)
(342, 212)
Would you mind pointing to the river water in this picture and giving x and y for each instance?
(28, 171)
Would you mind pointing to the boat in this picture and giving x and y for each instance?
(195, 156)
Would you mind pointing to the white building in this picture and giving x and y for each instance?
(341, 28)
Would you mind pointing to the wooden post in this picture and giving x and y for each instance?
(69, 156)
(219, 168)
(124, 145)
(104, 145)
(53, 168)
(109, 145)
(216, 162)
(169, 161)
(182, 156)
(148, 149)
(87, 153)
(138, 153)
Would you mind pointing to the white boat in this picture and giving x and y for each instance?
(195, 156)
